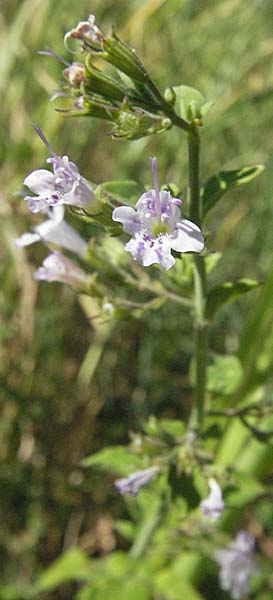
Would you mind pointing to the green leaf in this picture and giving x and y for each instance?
(71, 566)
(125, 529)
(190, 103)
(165, 428)
(246, 491)
(223, 374)
(219, 184)
(211, 260)
(127, 588)
(228, 292)
(172, 427)
(115, 459)
(172, 584)
(127, 191)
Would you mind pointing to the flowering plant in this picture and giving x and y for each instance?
(163, 475)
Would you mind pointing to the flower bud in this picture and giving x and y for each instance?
(75, 74)
(170, 96)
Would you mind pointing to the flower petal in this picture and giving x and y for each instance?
(135, 481)
(27, 239)
(56, 213)
(213, 505)
(128, 217)
(187, 237)
(159, 251)
(62, 234)
(40, 181)
(148, 251)
(57, 267)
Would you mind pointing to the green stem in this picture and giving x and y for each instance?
(201, 330)
(146, 532)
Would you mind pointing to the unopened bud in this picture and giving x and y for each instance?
(75, 73)
(170, 95)
(197, 122)
(166, 123)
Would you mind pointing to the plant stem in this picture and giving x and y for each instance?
(146, 532)
(195, 214)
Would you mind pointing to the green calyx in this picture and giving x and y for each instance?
(160, 227)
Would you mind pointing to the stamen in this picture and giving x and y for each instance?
(156, 187)
(43, 138)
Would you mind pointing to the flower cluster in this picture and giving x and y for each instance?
(54, 190)
(155, 225)
(157, 228)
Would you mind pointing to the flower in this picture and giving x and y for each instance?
(87, 31)
(213, 505)
(57, 267)
(237, 565)
(56, 231)
(130, 485)
(156, 227)
(64, 186)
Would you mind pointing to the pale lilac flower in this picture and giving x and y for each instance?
(157, 228)
(56, 231)
(236, 565)
(130, 485)
(57, 267)
(64, 186)
(213, 505)
(86, 31)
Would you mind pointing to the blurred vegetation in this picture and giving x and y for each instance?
(69, 386)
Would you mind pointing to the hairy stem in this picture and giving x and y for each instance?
(195, 214)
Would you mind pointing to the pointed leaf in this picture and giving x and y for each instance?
(116, 459)
(173, 584)
(223, 374)
(190, 102)
(228, 292)
(71, 566)
(219, 184)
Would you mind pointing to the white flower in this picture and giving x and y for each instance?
(236, 565)
(213, 505)
(64, 186)
(130, 485)
(157, 228)
(57, 267)
(56, 231)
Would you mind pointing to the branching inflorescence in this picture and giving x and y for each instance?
(129, 100)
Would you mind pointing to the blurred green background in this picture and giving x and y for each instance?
(54, 409)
